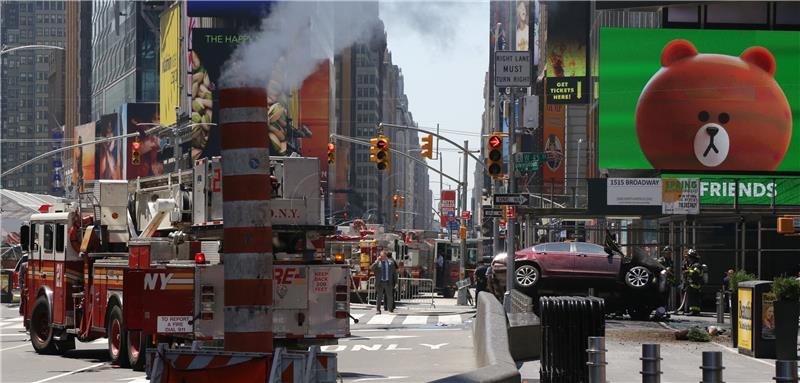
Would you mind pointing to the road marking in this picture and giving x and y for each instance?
(100, 341)
(449, 319)
(375, 379)
(416, 319)
(735, 351)
(69, 373)
(356, 316)
(11, 348)
(381, 319)
(20, 334)
(434, 346)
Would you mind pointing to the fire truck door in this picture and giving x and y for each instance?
(57, 282)
(45, 272)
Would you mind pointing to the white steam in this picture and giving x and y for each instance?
(295, 38)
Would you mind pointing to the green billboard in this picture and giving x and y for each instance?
(751, 190)
(699, 100)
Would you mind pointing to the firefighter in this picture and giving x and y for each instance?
(668, 280)
(694, 274)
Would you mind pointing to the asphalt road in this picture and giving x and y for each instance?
(409, 347)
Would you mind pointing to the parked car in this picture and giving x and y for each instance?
(627, 282)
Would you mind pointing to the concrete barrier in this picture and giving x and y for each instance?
(490, 340)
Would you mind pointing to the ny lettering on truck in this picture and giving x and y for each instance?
(168, 281)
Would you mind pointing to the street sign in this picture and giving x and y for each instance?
(492, 213)
(511, 199)
(453, 225)
(512, 69)
(466, 215)
(511, 212)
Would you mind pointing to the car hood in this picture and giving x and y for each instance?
(640, 257)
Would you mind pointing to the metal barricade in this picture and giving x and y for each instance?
(520, 303)
(411, 293)
(567, 324)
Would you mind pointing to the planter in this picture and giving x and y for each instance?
(786, 317)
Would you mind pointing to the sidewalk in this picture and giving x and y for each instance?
(681, 359)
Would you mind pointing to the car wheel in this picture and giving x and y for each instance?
(638, 277)
(526, 277)
(137, 345)
(117, 338)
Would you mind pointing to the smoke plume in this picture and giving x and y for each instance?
(295, 38)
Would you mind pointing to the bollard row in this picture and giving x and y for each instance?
(567, 324)
(785, 370)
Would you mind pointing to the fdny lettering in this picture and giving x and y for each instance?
(285, 276)
(286, 213)
(151, 280)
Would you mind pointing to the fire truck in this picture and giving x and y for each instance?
(141, 263)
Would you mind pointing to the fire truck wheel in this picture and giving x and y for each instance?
(41, 332)
(117, 338)
(137, 344)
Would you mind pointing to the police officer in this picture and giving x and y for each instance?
(694, 278)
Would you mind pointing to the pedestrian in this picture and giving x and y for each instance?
(440, 270)
(481, 277)
(385, 281)
(665, 260)
(396, 289)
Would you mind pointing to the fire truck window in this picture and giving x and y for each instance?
(289, 242)
(60, 238)
(48, 238)
(34, 238)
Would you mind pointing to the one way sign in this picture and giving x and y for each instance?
(511, 199)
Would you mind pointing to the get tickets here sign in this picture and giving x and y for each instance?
(745, 315)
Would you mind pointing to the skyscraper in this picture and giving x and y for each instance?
(26, 95)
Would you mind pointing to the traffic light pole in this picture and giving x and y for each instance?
(510, 220)
(462, 269)
(365, 143)
(436, 134)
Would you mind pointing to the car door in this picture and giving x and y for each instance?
(555, 259)
(592, 261)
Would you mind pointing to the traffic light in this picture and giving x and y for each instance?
(380, 152)
(427, 146)
(494, 150)
(136, 156)
(331, 152)
(395, 200)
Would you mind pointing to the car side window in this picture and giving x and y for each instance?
(589, 248)
(538, 248)
(562, 247)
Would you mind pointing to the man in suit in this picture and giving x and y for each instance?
(385, 273)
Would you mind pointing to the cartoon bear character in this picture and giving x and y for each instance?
(711, 111)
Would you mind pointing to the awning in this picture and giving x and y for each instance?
(20, 205)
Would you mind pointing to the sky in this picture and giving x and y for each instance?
(443, 51)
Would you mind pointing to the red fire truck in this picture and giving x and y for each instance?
(139, 263)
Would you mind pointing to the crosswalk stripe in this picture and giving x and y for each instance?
(449, 319)
(381, 319)
(14, 319)
(356, 316)
(416, 319)
(99, 341)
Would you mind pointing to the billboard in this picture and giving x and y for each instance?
(554, 122)
(567, 40)
(447, 206)
(151, 157)
(170, 64)
(315, 116)
(108, 155)
(211, 48)
(671, 103)
(746, 190)
(83, 157)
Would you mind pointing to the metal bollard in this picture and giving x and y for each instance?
(720, 307)
(597, 359)
(786, 371)
(712, 367)
(651, 363)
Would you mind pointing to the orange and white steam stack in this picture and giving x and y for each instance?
(247, 236)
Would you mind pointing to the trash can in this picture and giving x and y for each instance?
(756, 319)
(567, 324)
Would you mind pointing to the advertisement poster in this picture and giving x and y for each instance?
(170, 64)
(555, 120)
(447, 206)
(83, 156)
(108, 155)
(522, 34)
(315, 115)
(747, 190)
(680, 196)
(211, 47)
(670, 104)
(767, 316)
(151, 156)
(567, 40)
(633, 191)
(745, 315)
